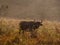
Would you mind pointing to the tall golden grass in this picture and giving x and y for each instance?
(48, 34)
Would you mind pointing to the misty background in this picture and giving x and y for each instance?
(33, 9)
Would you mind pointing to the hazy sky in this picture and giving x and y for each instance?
(45, 9)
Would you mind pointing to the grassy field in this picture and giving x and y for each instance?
(48, 34)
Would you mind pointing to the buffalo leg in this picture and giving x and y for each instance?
(33, 34)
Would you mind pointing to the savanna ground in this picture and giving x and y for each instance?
(48, 34)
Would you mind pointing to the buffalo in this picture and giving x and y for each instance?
(29, 25)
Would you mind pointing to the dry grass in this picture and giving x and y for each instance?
(48, 34)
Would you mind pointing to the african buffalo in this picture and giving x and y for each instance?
(29, 25)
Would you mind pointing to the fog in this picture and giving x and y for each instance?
(33, 9)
